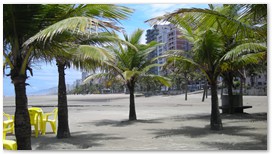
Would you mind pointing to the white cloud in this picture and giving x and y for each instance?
(154, 10)
(161, 9)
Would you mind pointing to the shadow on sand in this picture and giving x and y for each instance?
(257, 141)
(123, 123)
(238, 116)
(78, 140)
(261, 144)
(83, 140)
(195, 132)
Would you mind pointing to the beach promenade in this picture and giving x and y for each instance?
(100, 122)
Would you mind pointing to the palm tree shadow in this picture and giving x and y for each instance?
(205, 131)
(78, 140)
(262, 116)
(260, 144)
(195, 132)
(123, 123)
(238, 116)
(203, 117)
(257, 142)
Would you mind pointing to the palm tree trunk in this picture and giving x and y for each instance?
(222, 89)
(230, 93)
(207, 89)
(22, 120)
(63, 124)
(186, 86)
(204, 92)
(132, 111)
(242, 83)
(216, 122)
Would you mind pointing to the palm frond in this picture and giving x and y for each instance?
(255, 12)
(176, 52)
(25, 61)
(244, 49)
(129, 74)
(85, 52)
(136, 36)
(114, 68)
(251, 59)
(8, 61)
(164, 80)
(206, 18)
(103, 39)
(108, 11)
(95, 76)
(148, 67)
(159, 57)
(75, 25)
(148, 48)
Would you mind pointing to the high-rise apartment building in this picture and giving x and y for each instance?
(169, 35)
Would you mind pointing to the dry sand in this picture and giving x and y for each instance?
(100, 122)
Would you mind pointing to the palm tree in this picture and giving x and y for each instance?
(210, 57)
(19, 23)
(183, 68)
(130, 64)
(207, 54)
(232, 30)
(244, 55)
(78, 20)
(238, 24)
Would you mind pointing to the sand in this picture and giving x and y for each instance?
(168, 123)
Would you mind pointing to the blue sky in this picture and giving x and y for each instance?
(46, 75)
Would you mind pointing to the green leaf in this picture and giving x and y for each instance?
(95, 76)
(164, 80)
(75, 25)
(244, 49)
(129, 74)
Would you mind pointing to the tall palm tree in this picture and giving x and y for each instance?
(232, 29)
(20, 21)
(238, 24)
(241, 56)
(23, 21)
(78, 20)
(131, 64)
(244, 55)
(208, 50)
(210, 57)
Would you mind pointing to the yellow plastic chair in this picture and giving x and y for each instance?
(8, 125)
(34, 120)
(53, 122)
(9, 145)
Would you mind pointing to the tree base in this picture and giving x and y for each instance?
(216, 127)
(25, 145)
(132, 118)
(63, 135)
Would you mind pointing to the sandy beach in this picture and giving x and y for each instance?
(100, 122)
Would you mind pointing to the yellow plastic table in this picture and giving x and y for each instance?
(40, 112)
